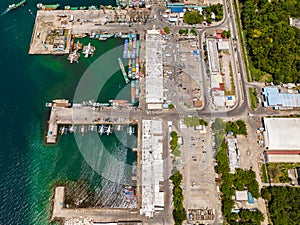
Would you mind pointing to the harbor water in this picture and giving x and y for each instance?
(29, 168)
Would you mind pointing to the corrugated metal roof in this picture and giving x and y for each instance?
(271, 90)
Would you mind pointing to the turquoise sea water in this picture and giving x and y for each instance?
(28, 167)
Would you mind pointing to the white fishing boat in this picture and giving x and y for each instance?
(101, 130)
(108, 131)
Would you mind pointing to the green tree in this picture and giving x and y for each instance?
(176, 178)
(167, 30)
(266, 194)
(192, 17)
(179, 216)
(226, 34)
(272, 44)
(171, 106)
(217, 9)
(194, 31)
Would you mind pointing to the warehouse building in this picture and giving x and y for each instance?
(274, 98)
(281, 139)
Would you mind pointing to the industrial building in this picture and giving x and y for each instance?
(274, 98)
(281, 139)
(152, 167)
(233, 153)
(213, 56)
(154, 70)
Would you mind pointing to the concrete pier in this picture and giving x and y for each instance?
(58, 201)
(84, 115)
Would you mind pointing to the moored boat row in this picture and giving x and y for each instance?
(101, 129)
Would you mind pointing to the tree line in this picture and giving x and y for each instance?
(283, 204)
(272, 44)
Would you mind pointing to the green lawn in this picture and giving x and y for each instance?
(253, 98)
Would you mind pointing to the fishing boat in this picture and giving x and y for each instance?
(133, 47)
(137, 89)
(17, 5)
(88, 50)
(67, 7)
(133, 69)
(73, 57)
(132, 91)
(101, 130)
(47, 7)
(82, 7)
(123, 70)
(49, 104)
(125, 49)
(129, 48)
(71, 129)
(130, 130)
(137, 48)
(82, 130)
(137, 68)
(108, 131)
(63, 130)
(77, 46)
(92, 7)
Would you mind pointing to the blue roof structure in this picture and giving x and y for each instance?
(274, 98)
(177, 9)
(271, 90)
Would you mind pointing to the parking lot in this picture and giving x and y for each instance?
(201, 197)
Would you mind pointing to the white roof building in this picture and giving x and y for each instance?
(281, 139)
(223, 45)
(282, 133)
(152, 167)
(154, 69)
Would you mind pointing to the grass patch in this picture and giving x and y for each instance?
(278, 172)
(194, 121)
(264, 174)
(232, 91)
(253, 98)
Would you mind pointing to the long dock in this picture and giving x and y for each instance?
(84, 115)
